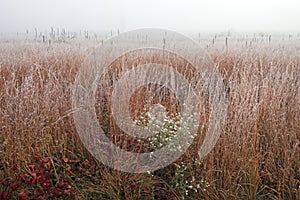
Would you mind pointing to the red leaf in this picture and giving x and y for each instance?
(56, 191)
(23, 195)
(41, 197)
(48, 166)
(34, 178)
(86, 163)
(133, 185)
(14, 186)
(5, 182)
(4, 195)
(32, 167)
(46, 160)
(37, 157)
(67, 192)
(65, 160)
(75, 161)
(70, 173)
(46, 186)
(26, 179)
(63, 184)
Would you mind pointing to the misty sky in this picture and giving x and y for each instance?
(178, 15)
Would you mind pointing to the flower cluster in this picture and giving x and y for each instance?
(188, 183)
(166, 127)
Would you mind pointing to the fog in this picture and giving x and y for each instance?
(178, 15)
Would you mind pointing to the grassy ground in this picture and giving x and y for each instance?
(257, 156)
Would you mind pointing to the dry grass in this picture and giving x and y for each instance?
(257, 156)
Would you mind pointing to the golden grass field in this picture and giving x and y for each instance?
(256, 157)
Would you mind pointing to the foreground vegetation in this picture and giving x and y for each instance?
(257, 156)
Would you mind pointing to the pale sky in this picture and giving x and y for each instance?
(177, 15)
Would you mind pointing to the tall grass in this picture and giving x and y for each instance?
(257, 156)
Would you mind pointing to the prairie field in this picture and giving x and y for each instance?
(256, 157)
